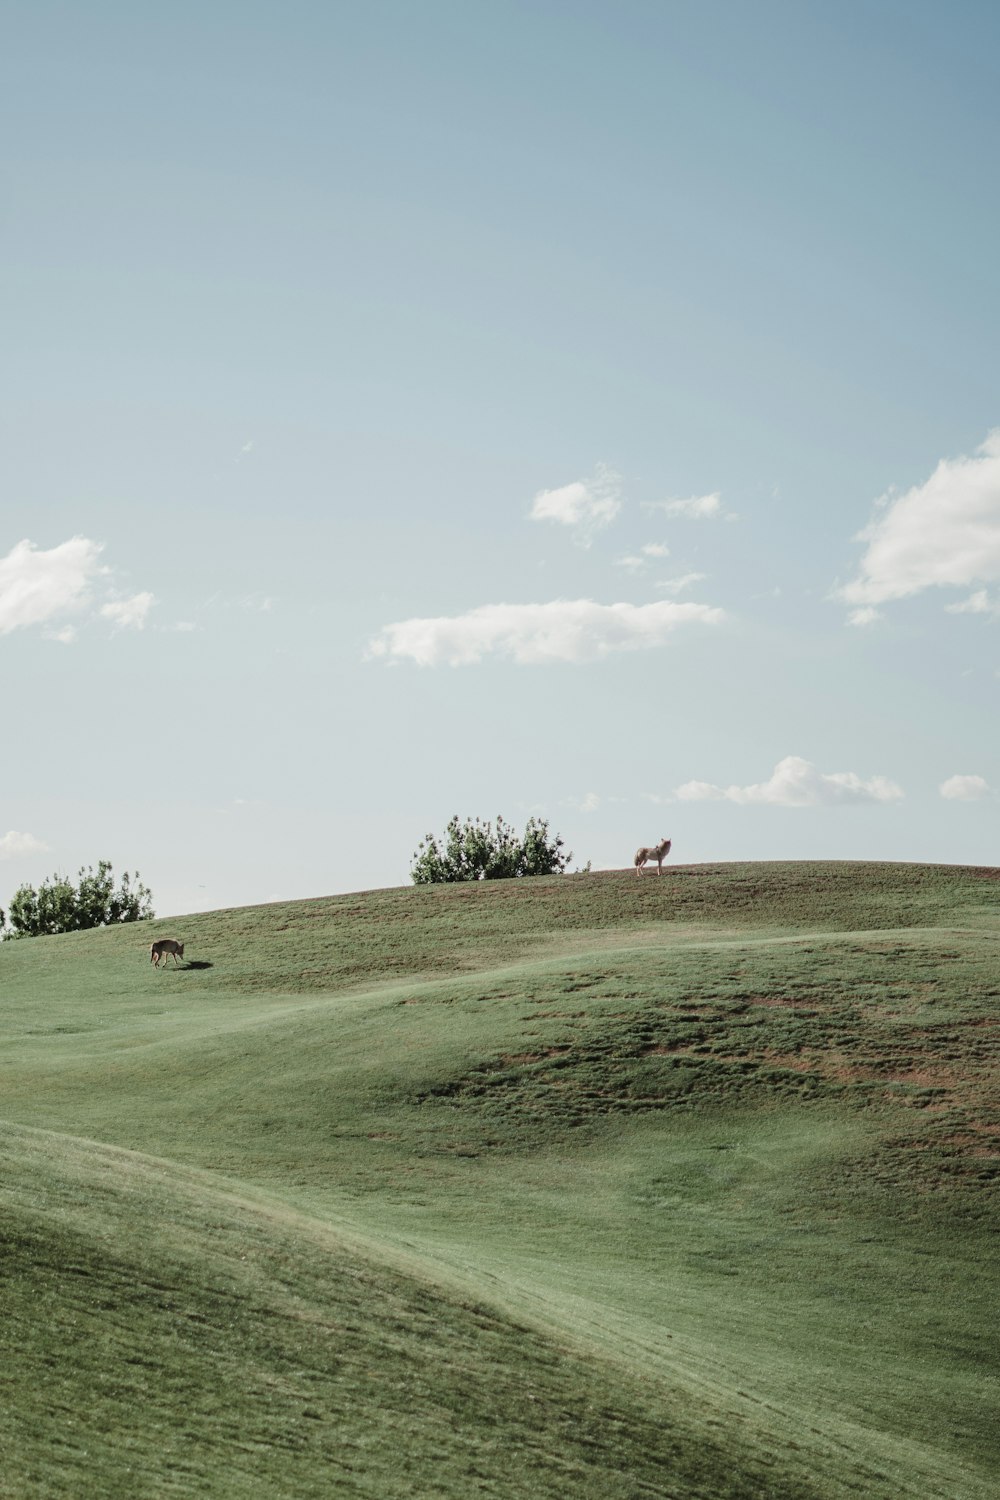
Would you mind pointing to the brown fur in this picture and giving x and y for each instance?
(659, 852)
(165, 948)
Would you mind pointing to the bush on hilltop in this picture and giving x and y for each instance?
(479, 850)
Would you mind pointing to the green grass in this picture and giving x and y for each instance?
(579, 1186)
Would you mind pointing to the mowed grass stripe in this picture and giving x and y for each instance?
(221, 1345)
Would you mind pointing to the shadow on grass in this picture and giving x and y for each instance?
(198, 963)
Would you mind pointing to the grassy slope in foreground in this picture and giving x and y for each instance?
(715, 1151)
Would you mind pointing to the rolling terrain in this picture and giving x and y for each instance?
(586, 1185)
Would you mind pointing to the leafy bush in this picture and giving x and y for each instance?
(60, 906)
(479, 850)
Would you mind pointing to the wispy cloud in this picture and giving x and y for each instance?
(128, 613)
(37, 585)
(943, 533)
(965, 788)
(681, 582)
(587, 506)
(795, 782)
(978, 603)
(254, 603)
(572, 630)
(644, 556)
(695, 508)
(13, 844)
(864, 616)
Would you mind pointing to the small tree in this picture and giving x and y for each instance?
(59, 906)
(478, 850)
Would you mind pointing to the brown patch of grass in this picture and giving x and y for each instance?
(794, 1061)
(926, 1078)
(779, 1002)
(523, 1059)
(555, 1015)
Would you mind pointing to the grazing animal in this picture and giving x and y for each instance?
(659, 853)
(164, 948)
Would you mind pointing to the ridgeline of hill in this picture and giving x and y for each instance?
(583, 1186)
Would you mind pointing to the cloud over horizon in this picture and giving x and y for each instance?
(795, 782)
(943, 533)
(565, 630)
(13, 843)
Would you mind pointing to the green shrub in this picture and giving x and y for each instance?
(479, 850)
(60, 906)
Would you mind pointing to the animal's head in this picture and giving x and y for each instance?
(180, 949)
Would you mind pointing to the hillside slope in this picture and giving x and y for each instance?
(704, 1165)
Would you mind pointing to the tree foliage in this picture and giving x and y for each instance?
(479, 850)
(59, 906)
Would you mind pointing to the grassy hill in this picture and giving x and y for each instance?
(579, 1186)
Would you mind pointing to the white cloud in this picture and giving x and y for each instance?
(697, 508)
(585, 506)
(572, 630)
(13, 844)
(39, 587)
(797, 783)
(129, 612)
(590, 803)
(681, 582)
(944, 533)
(641, 558)
(964, 788)
(864, 616)
(36, 586)
(978, 603)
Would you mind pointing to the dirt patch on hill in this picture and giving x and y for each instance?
(779, 1002)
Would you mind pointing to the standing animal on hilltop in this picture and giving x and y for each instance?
(659, 853)
(164, 948)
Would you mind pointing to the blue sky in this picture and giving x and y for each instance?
(569, 409)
